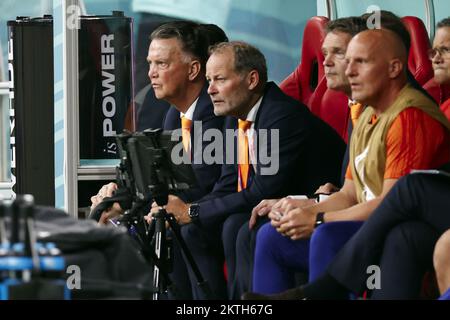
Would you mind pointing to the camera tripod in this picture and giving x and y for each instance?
(155, 246)
(145, 175)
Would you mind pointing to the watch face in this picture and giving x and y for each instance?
(194, 210)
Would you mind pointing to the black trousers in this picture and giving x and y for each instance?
(407, 256)
(232, 243)
(210, 248)
(245, 254)
(416, 197)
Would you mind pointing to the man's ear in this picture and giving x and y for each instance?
(194, 69)
(252, 79)
(395, 68)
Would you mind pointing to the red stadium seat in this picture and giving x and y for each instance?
(440, 93)
(418, 62)
(302, 83)
(332, 107)
(308, 84)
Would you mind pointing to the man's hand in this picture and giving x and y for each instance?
(297, 223)
(284, 206)
(327, 188)
(148, 218)
(106, 191)
(262, 209)
(177, 207)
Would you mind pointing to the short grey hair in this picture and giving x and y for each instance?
(246, 57)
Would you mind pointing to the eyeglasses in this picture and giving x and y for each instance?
(443, 51)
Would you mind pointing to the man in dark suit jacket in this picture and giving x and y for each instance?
(206, 174)
(177, 56)
(303, 150)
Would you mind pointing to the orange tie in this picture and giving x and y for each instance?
(186, 133)
(243, 163)
(355, 111)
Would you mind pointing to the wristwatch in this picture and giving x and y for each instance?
(319, 219)
(194, 211)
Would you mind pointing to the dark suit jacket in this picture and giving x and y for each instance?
(206, 175)
(310, 154)
(347, 152)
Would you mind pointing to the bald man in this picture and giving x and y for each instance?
(399, 116)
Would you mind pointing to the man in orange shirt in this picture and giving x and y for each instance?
(394, 223)
(401, 116)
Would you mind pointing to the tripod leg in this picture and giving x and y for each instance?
(202, 284)
(161, 279)
(160, 250)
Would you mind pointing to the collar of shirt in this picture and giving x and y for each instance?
(351, 102)
(250, 133)
(190, 111)
(251, 116)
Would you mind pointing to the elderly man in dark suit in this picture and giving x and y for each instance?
(303, 153)
(177, 57)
